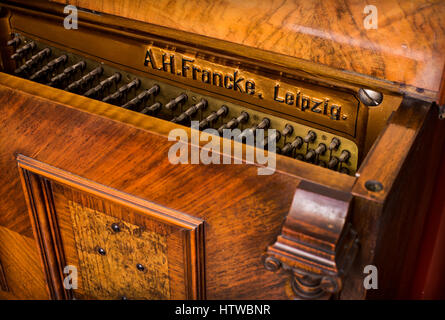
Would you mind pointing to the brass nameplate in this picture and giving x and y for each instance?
(325, 106)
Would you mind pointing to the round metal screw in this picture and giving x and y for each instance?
(115, 227)
(101, 251)
(373, 185)
(140, 267)
(369, 97)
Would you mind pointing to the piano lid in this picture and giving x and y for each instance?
(407, 48)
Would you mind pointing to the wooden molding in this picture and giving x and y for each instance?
(317, 244)
(38, 181)
(3, 283)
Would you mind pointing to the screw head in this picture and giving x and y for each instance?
(370, 97)
(115, 227)
(101, 251)
(373, 185)
(140, 267)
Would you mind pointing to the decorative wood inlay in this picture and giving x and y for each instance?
(317, 244)
(123, 251)
(167, 244)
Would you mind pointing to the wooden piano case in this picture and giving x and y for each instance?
(88, 184)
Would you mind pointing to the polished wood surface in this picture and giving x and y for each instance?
(83, 162)
(243, 216)
(72, 219)
(242, 211)
(407, 48)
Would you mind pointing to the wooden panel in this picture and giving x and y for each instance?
(243, 211)
(407, 48)
(105, 277)
(405, 160)
(73, 227)
(21, 265)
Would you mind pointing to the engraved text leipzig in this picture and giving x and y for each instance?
(186, 67)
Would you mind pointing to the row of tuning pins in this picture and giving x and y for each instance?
(39, 67)
(312, 155)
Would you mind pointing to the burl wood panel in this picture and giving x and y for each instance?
(407, 48)
(92, 231)
(71, 224)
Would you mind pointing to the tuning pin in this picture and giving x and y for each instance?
(153, 109)
(310, 155)
(311, 136)
(116, 96)
(141, 97)
(46, 70)
(211, 118)
(67, 73)
(290, 147)
(85, 81)
(335, 143)
(33, 61)
(104, 84)
(179, 100)
(14, 42)
(264, 124)
(23, 51)
(321, 149)
(276, 136)
(287, 131)
(344, 156)
(242, 118)
(333, 162)
(186, 115)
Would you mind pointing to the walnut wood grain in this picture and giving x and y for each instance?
(407, 48)
(243, 211)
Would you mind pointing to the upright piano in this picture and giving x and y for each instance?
(217, 149)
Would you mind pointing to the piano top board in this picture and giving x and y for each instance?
(407, 49)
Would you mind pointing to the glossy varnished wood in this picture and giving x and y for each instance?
(407, 48)
(71, 216)
(243, 211)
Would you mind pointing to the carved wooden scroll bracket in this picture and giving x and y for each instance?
(317, 244)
